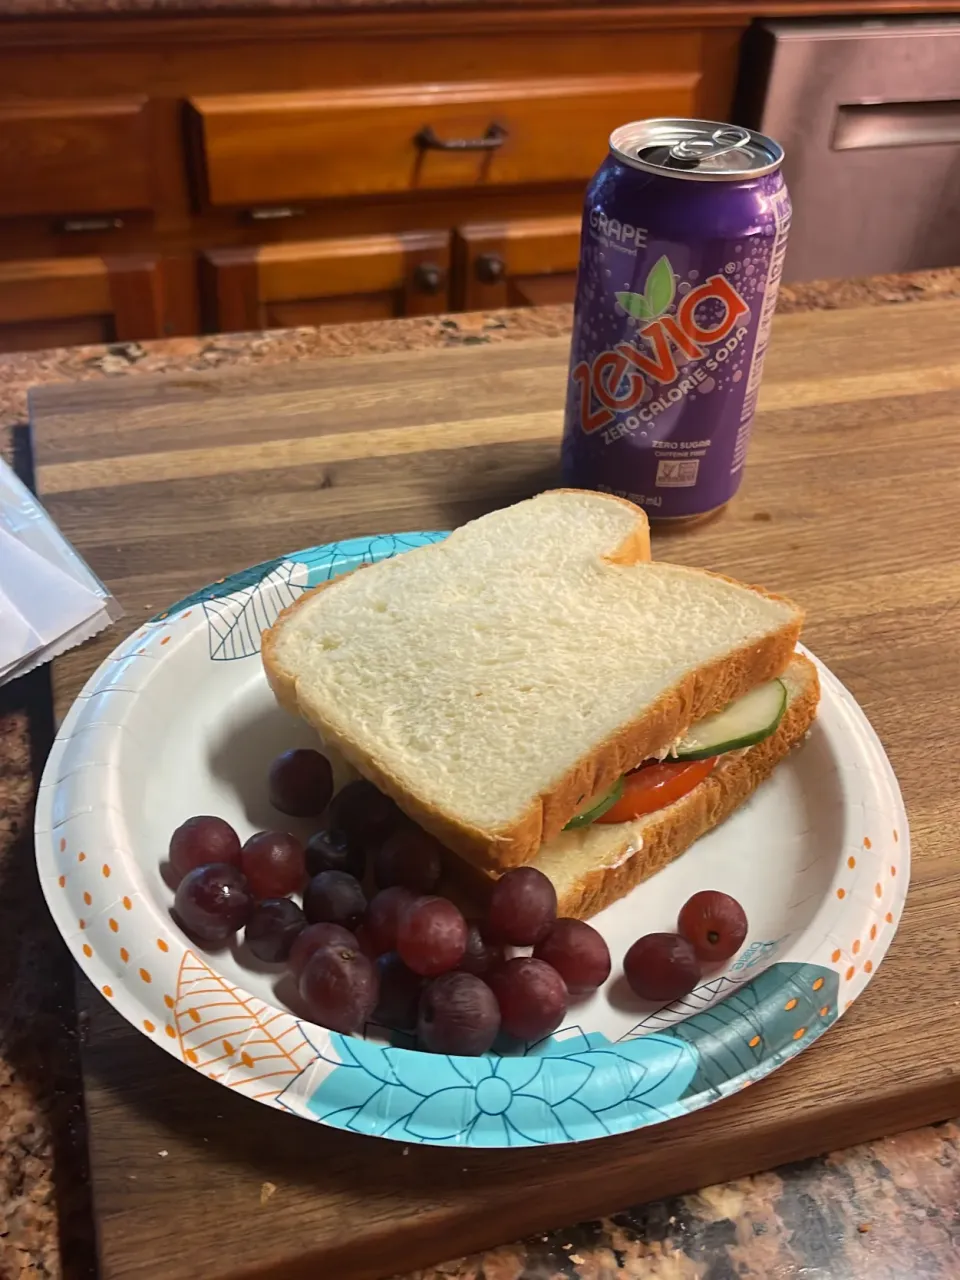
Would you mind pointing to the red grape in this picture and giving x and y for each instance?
(301, 783)
(432, 936)
(336, 897)
(273, 927)
(458, 1014)
(363, 812)
(480, 957)
(213, 902)
(400, 991)
(715, 924)
(578, 953)
(312, 938)
(409, 857)
(202, 840)
(273, 863)
(333, 850)
(662, 967)
(532, 997)
(523, 906)
(383, 917)
(340, 988)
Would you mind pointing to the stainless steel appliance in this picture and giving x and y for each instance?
(868, 113)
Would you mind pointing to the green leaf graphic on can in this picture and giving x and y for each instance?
(635, 304)
(660, 286)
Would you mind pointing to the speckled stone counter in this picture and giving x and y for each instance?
(889, 1210)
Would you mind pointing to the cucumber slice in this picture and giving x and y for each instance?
(598, 809)
(748, 720)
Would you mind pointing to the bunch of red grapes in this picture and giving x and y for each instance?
(373, 941)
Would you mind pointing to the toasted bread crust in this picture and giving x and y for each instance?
(704, 692)
(676, 828)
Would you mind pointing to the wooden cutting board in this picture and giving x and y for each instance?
(851, 504)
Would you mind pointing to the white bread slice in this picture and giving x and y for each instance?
(597, 865)
(490, 682)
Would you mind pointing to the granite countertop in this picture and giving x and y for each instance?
(883, 1211)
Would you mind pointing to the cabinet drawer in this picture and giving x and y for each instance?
(326, 281)
(74, 156)
(301, 146)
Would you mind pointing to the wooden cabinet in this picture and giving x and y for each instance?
(326, 281)
(527, 262)
(55, 302)
(162, 172)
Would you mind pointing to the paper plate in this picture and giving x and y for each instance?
(179, 720)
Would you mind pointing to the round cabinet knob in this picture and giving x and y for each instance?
(490, 268)
(428, 277)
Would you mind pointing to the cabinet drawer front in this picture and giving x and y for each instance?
(302, 146)
(74, 156)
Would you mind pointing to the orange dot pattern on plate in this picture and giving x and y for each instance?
(246, 1059)
(124, 954)
(127, 904)
(170, 1031)
(836, 956)
(87, 899)
(824, 1011)
(145, 975)
(106, 872)
(878, 890)
(82, 924)
(107, 991)
(841, 894)
(87, 950)
(819, 982)
(889, 917)
(893, 871)
(791, 1004)
(856, 947)
(113, 925)
(851, 862)
(63, 844)
(850, 972)
(168, 1001)
(896, 836)
(800, 1033)
(162, 945)
(191, 1056)
(754, 1042)
(62, 881)
(81, 857)
(148, 1026)
(228, 1047)
(867, 843)
(195, 1017)
(868, 967)
(873, 932)
(165, 640)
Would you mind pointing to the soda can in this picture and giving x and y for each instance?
(684, 234)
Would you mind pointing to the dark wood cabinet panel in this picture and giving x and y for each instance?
(60, 301)
(326, 281)
(74, 156)
(523, 262)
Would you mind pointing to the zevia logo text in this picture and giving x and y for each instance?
(615, 381)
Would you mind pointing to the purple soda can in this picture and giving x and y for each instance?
(684, 233)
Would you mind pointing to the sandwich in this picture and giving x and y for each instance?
(536, 690)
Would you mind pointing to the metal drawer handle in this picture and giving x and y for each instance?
(427, 140)
(74, 225)
(274, 213)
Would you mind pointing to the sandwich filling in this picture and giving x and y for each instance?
(654, 784)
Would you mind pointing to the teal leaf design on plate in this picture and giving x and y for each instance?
(660, 286)
(572, 1087)
(636, 305)
(755, 1028)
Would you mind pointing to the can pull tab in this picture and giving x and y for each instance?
(690, 153)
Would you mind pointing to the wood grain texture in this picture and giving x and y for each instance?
(849, 505)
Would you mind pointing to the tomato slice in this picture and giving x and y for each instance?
(654, 786)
